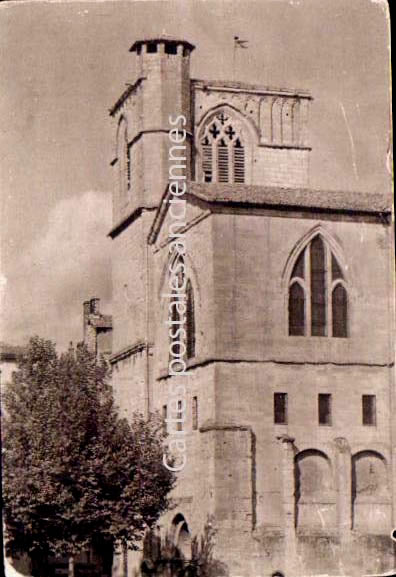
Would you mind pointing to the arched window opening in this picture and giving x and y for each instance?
(318, 299)
(370, 493)
(222, 150)
(185, 344)
(296, 310)
(314, 490)
(222, 161)
(129, 167)
(123, 153)
(339, 308)
(239, 162)
(175, 344)
(190, 321)
(318, 288)
(176, 318)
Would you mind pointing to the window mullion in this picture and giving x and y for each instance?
(307, 267)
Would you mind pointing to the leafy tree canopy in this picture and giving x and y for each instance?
(75, 473)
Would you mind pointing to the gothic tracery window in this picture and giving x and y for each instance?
(222, 150)
(318, 300)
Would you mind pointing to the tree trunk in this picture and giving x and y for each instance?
(71, 566)
(125, 561)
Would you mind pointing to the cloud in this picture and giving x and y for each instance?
(67, 263)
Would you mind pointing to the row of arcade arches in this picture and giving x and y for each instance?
(316, 496)
(316, 492)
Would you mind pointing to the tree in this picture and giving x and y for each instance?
(75, 474)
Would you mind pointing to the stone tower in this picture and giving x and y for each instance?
(141, 121)
(286, 410)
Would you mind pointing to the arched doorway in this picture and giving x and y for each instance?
(181, 535)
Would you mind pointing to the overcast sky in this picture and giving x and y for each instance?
(62, 65)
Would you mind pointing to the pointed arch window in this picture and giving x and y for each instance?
(190, 321)
(124, 159)
(318, 298)
(222, 150)
(185, 347)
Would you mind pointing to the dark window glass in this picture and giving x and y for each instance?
(129, 175)
(318, 288)
(280, 408)
(296, 310)
(369, 411)
(207, 162)
(175, 316)
(164, 417)
(190, 321)
(239, 162)
(170, 48)
(179, 425)
(223, 153)
(339, 307)
(151, 47)
(195, 413)
(222, 161)
(324, 406)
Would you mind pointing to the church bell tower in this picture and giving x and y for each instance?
(141, 119)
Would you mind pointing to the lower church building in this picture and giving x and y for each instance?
(284, 405)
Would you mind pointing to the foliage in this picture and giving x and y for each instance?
(74, 472)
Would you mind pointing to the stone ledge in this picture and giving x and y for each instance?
(129, 351)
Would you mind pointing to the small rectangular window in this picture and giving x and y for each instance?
(151, 47)
(324, 406)
(179, 426)
(164, 417)
(280, 408)
(369, 411)
(195, 413)
(170, 48)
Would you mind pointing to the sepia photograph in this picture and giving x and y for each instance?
(197, 274)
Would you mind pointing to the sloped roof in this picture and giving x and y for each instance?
(9, 352)
(292, 197)
(249, 87)
(278, 198)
